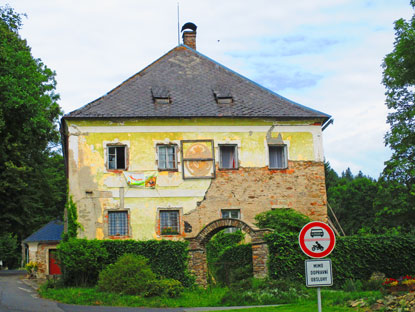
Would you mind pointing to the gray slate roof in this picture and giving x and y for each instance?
(51, 232)
(191, 81)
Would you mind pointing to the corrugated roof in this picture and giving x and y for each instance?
(190, 77)
(48, 233)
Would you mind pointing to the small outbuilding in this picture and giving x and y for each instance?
(40, 247)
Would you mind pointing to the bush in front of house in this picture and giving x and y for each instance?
(168, 258)
(354, 257)
(82, 259)
(131, 275)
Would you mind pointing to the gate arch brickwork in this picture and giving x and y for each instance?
(197, 247)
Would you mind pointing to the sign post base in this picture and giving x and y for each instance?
(319, 299)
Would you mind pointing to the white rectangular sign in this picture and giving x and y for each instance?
(318, 273)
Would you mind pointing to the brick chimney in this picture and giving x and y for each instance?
(189, 39)
(189, 36)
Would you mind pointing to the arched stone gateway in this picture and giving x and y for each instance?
(197, 247)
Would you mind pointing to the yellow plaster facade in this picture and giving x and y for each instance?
(97, 190)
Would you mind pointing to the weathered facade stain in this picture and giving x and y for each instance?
(252, 188)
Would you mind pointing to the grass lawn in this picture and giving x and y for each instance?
(297, 307)
(210, 297)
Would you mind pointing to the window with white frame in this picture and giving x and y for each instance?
(231, 214)
(169, 222)
(167, 157)
(117, 157)
(228, 156)
(117, 223)
(277, 156)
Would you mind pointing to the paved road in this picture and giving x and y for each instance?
(16, 296)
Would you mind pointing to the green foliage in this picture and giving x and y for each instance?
(130, 275)
(228, 260)
(165, 287)
(282, 220)
(71, 219)
(264, 291)
(9, 250)
(81, 261)
(168, 258)
(32, 182)
(353, 257)
(352, 200)
(399, 80)
(234, 263)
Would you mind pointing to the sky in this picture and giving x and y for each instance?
(324, 54)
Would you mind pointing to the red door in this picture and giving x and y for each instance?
(54, 268)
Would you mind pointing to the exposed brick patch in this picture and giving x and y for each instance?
(253, 190)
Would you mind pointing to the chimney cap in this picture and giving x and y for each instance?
(190, 26)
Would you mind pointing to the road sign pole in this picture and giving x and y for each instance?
(319, 299)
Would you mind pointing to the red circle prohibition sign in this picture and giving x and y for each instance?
(306, 250)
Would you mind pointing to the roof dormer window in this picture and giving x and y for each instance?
(160, 95)
(222, 95)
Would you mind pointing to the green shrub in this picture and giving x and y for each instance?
(165, 288)
(234, 264)
(228, 260)
(81, 261)
(168, 258)
(10, 252)
(352, 285)
(353, 257)
(283, 220)
(130, 275)
(264, 291)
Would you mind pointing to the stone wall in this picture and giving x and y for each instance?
(254, 190)
(42, 258)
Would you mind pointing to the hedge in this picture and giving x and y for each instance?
(234, 264)
(354, 257)
(82, 259)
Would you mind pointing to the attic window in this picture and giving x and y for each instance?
(222, 95)
(160, 95)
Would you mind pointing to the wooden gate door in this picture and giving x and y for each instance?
(54, 268)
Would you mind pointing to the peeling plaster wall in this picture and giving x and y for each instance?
(96, 190)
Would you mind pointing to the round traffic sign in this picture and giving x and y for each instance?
(317, 239)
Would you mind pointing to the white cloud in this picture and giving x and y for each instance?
(325, 54)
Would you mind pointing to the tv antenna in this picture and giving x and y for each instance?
(178, 24)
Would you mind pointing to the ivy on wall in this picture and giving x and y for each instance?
(353, 257)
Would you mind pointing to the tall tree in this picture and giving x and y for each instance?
(31, 174)
(399, 80)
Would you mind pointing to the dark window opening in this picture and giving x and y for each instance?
(116, 157)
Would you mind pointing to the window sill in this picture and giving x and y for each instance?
(114, 237)
(169, 170)
(224, 169)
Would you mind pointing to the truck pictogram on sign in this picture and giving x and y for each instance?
(317, 239)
